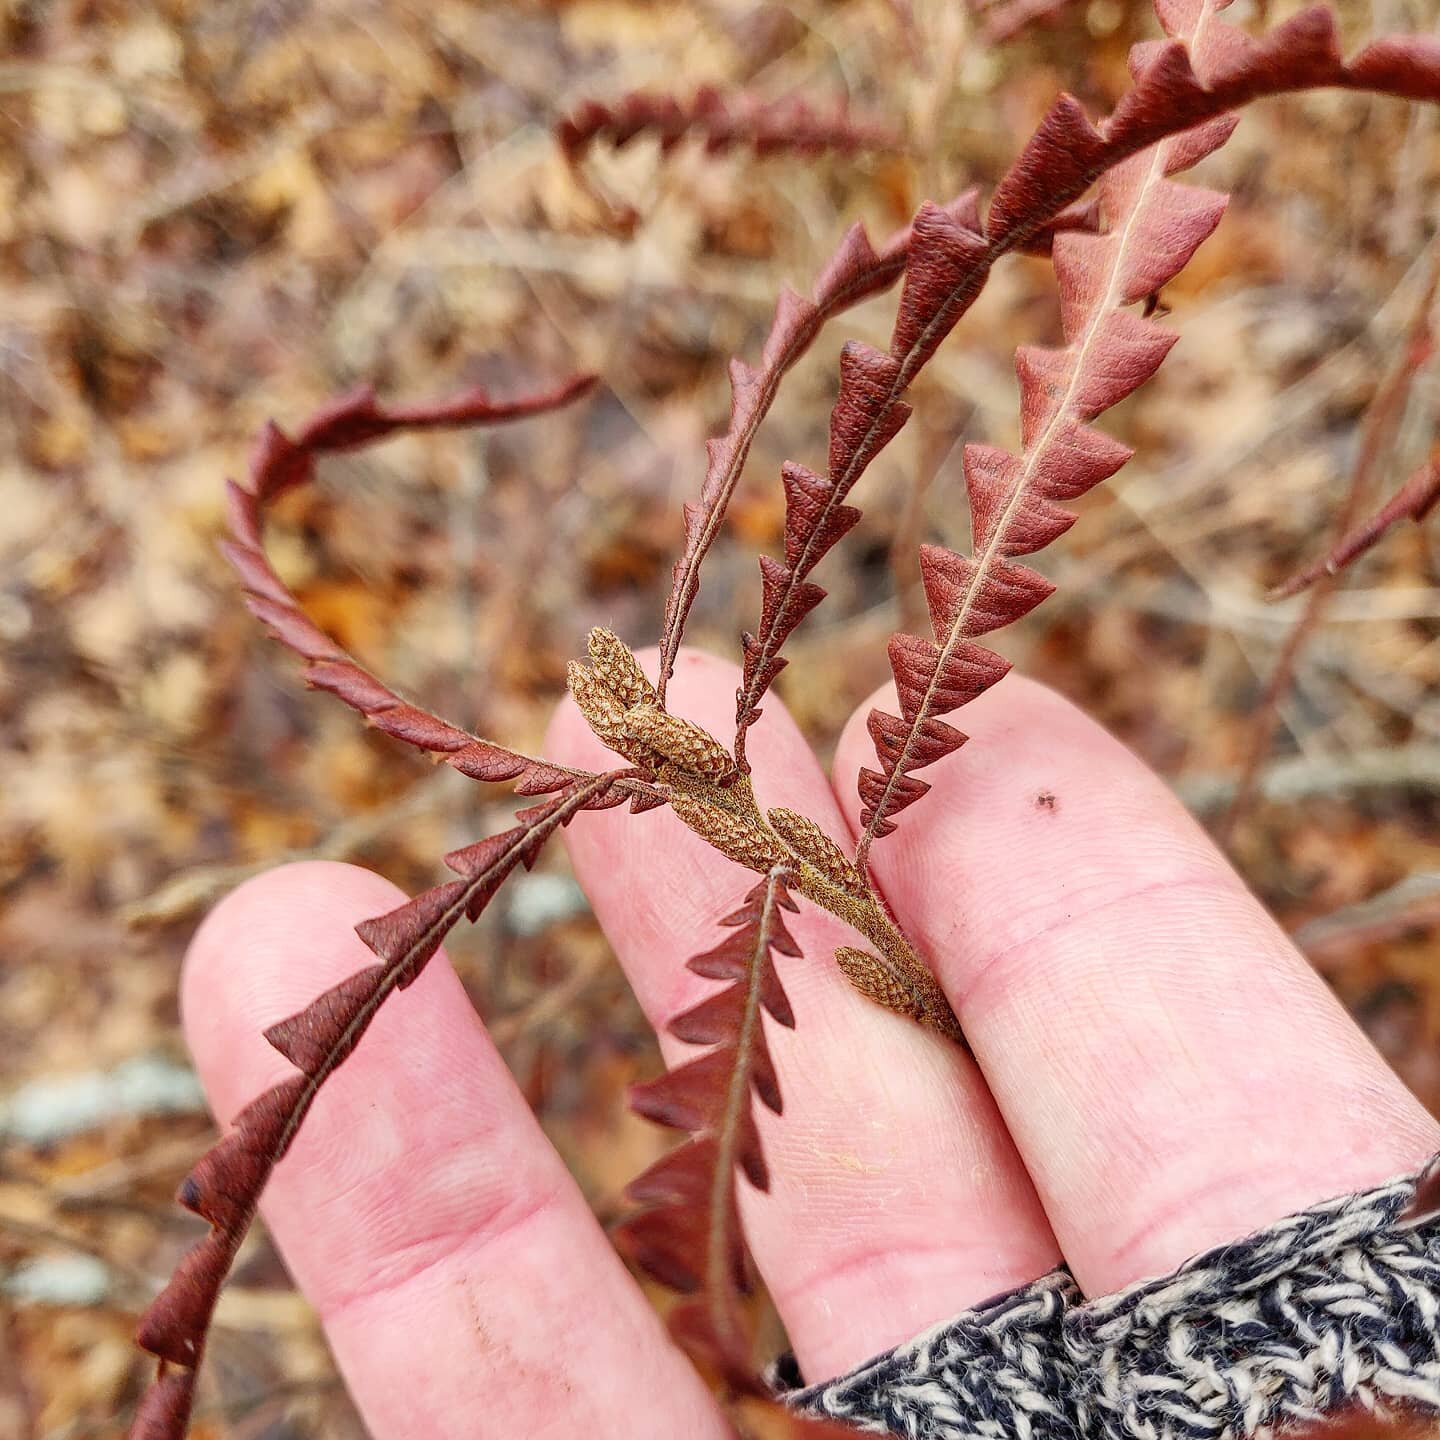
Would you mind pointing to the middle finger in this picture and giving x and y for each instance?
(897, 1197)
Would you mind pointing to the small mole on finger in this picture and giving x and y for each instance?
(1046, 800)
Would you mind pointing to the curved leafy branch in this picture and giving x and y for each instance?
(1178, 110)
(226, 1184)
(280, 465)
(950, 262)
(787, 125)
(856, 272)
(1153, 227)
(689, 1235)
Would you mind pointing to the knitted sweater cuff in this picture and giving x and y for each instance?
(1337, 1306)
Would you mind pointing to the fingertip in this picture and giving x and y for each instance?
(264, 952)
(290, 890)
(1095, 943)
(1030, 753)
(420, 1207)
(420, 1130)
(910, 1155)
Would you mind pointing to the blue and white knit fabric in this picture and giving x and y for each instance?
(1336, 1307)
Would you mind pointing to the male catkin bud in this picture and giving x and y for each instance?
(679, 741)
(812, 844)
(618, 670)
(605, 715)
(878, 982)
(732, 837)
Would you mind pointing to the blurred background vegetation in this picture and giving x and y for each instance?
(215, 214)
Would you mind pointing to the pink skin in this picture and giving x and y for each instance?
(1158, 1070)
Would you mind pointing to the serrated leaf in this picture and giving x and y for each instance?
(688, 1236)
(225, 1184)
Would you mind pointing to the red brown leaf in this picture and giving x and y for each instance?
(278, 465)
(855, 272)
(789, 124)
(164, 1409)
(688, 1235)
(1174, 92)
(225, 1185)
(1153, 226)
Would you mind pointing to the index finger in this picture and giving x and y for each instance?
(464, 1285)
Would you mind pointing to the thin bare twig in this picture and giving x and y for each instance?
(193, 890)
(1409, 905)
(1379, 427)
(1302, 777)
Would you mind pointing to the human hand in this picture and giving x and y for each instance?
(1156, 1070)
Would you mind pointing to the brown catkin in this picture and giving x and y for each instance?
(618, 670)
(737, 840)
(813, 845)
(679, 741)
(914, 994)
(605, 715)
(878, 982)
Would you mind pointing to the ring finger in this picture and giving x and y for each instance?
(1173, 1072)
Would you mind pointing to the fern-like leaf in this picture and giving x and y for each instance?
(950, 261)
(280, 464)
(225, 1185)
(1017, 506)
(788, 125)
(1154, 226)
(688, 1236)
(855, 272)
